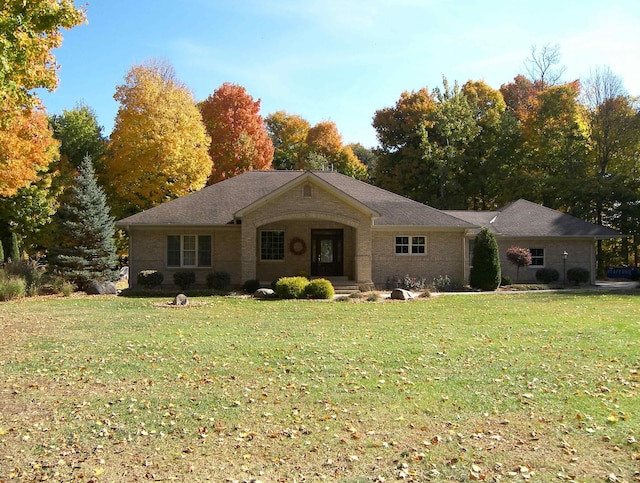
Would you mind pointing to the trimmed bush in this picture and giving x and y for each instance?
(218, 280)
(12, 288)
(547, 275)
(250, 286)
(184, 279)
(485, 274)
(291, 287)
(506, 280)
(578, 275)
(150, 278)
(320, 288)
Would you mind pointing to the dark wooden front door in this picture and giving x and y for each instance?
(327, 253)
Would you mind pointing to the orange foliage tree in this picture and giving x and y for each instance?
(239, 139)
(27, 148)
(159, 146)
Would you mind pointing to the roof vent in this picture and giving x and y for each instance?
(493, 219)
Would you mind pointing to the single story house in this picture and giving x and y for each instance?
(262, 225)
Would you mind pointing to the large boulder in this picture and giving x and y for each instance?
(401, 294)
(180, 300)
(265, 293)
(102, 288)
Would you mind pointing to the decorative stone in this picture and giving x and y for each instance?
(180, 300)
(102, 288)
(401, 294)
(265, 293)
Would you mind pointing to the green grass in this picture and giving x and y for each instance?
(490, 387)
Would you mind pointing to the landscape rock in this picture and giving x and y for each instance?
(180, 300)
(265, 293)
(401, 294)
(102, 288)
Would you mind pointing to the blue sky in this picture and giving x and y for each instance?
(338, 60)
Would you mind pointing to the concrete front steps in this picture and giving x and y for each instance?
(342, 285)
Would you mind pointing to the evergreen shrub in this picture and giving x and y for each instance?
(250, 286)
(291, 287)
(578, 275)
(218, 280)
(547, 275)
(320, 288)
(485, 274)
(184, 279)
(150, 278)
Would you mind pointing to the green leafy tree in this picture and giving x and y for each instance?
(485, 272)
(79, 134)
(88, 252)
(367, 157)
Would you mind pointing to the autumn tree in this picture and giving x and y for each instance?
(366, 156)
(239, 139)
(29, 31)
(159, 146)
(288, 133)
(519, 257)
(87, 253)
(543, 65)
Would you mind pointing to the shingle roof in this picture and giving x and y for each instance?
(217, 204)
(523, 218)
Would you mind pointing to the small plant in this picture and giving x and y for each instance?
(506, 280)
(442, 283)
(31, 271)
(250, 286)
(291, 287)
(150, 278)
(12, 288)
(407, 282)
(218, 280)
(578, 275)
(184, 279)
(320, 288)
(520, 257)
(547, 275)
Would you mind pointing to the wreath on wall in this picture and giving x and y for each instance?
(297, 246)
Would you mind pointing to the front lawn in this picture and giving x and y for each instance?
(507, 387)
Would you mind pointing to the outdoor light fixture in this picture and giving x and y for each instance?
(564, 267)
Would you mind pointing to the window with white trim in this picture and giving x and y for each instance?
(189, 250)
(410, 245)
(272, 245)
(537, 257)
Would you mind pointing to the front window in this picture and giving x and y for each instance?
(537, 257)
(410, 245)
(189, 251)
(272, 245)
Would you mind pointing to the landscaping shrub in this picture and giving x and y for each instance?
(407, 282)
(250, 286)
(184, 279)
(320, 288)
(31, 271)
(578, 275)
(506, 280)
(12, 288)
(218, 280)
(485, 274)
(291, 287)
(547, 275)
(442, 283)
(150, 278)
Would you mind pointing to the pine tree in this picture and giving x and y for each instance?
(88, 253)
(485, 274)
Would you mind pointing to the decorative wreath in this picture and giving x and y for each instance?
(297, 246)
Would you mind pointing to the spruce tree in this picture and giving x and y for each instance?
(88, 252)
(485, 273)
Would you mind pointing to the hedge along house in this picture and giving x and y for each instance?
(263, 225)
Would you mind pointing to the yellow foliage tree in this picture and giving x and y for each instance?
(29, 31)
(159, 146)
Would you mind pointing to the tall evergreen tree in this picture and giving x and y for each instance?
(485, 273)
(88, 252)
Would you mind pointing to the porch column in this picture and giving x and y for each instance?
(248, 252)
(363, 254)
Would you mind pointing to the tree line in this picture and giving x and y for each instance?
(572, 146)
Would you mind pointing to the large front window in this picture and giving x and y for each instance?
(189, 251)
(272, 245)
(410, 245)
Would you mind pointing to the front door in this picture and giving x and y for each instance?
(326, 253)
